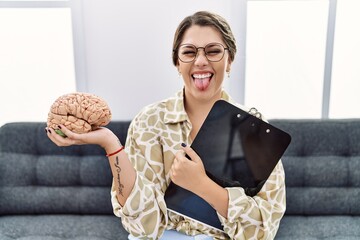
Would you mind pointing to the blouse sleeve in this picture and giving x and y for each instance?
(256, 217)
(144, 212)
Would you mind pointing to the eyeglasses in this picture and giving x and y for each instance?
(214, 52)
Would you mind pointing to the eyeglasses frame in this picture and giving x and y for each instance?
(197, 51)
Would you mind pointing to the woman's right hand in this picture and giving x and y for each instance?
(101, 136)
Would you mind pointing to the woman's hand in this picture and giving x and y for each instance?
(185, 172)
(191, 175)
(101, 136)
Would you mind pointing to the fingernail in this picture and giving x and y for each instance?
(183, 144)
(59, 126)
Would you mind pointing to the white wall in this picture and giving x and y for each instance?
(124, 49)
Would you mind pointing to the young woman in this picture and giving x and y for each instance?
(160, 135)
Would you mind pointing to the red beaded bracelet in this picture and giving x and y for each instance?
(117, 151)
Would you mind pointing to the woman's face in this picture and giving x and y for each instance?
(203, 79)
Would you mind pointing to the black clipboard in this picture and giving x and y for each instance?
(237, 149)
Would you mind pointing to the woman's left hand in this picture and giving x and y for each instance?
(185, 172)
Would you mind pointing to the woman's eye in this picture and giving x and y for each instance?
(188, 53)
(213, 52)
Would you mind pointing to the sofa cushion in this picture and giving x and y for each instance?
(322, 201)
(331, 137)
(30, 138)
(55, 200)
(57, 170)
(319, 227)
(320, 171)
(34, 184)
(57, 227)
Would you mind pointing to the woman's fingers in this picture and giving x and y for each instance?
(58, 139)
(191, 153)
(101, 136)
(68, 134)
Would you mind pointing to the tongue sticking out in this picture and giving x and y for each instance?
(202, 83)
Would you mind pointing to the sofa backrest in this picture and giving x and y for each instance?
(37, 177)
(322, 166)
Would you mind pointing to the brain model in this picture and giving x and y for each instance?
(79, 112)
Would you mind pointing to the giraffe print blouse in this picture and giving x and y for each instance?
(154, 136)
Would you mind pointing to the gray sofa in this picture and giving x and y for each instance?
(50, 192)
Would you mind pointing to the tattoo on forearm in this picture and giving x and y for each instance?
(118, 170)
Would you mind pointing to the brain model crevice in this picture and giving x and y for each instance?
(79, 112)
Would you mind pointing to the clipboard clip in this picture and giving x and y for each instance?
(253, 111)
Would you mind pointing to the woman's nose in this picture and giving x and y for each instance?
(201, 58)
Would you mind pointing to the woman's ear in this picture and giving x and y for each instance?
(228, 67)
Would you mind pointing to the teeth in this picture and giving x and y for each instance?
(206, 75)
